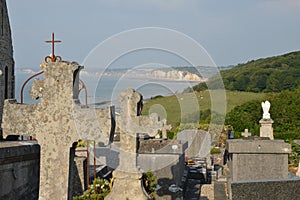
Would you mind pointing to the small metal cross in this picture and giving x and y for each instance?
(53, 57)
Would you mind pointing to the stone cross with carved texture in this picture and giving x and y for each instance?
(56, 121)
(127, 184)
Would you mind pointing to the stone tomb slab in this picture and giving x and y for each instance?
(256, 159)
(275, 189)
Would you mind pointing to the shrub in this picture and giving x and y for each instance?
(215, 151)
(80, 143)
(97, 191)
(294, 156)
(149, 182)
(171, 134)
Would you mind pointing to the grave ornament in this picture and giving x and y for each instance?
(266, 129)
(266, 107)
(246, 133)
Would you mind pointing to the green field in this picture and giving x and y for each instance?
(180, 108)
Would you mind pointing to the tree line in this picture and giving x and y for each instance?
(273, 74)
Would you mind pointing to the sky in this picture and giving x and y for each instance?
(231, 31)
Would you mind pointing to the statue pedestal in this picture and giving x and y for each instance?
(266, 129)
(127, 186)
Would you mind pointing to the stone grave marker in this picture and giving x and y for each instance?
(246, 133)
(165, 128)
(56, 121)
(127, 177)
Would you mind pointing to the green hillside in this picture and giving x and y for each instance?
(173, 110)
(273, 74)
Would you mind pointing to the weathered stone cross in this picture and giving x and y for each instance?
(246, 133)
(57, 121)
(127, 184)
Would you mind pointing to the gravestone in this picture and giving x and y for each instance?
(127, 176)
(258, 166)
(266, 129)
(246, 133)
(229, 129)
(257, 158)
(56, 121)
(231, 135)
(165, 128)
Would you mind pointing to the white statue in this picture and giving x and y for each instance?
(266, 107)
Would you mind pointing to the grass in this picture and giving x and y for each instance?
(184, 107)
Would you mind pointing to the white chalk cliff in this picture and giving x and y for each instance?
(175, 75)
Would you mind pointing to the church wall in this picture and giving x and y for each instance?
(7, 78)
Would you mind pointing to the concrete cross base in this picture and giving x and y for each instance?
(127, 186)
(266, 129)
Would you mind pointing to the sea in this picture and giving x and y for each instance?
(104, 90)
